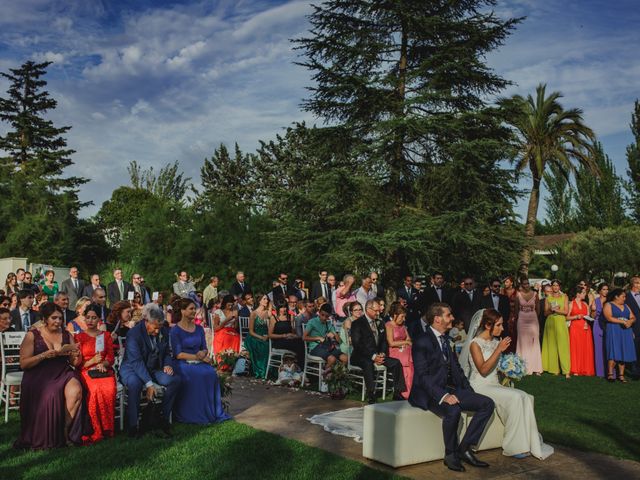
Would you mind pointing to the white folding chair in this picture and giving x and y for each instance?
(312, 365)
(276, 357)
(11, 373)
(243, 328)
(356, 377)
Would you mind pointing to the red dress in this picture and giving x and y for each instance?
(101, 400)
(581, 342)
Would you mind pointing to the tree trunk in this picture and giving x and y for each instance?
(530, 227)
(398, 166)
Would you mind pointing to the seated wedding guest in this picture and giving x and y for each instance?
(211, 290)
(619, 334)
(324, 341)
(14, 301)
(344, 295)
(580, 336)
(49, 285)
(77, 324)
(23, 317)
(199, 400)
(147, 359)
(352, 310)
(369, 341)
(5, 320)
(225, 327)
(11, 284)
(41, 299)
(599, 327)
(301, 320)
(52, 413)
(98, 377)
(257, 340)
(119, 320)
(62, 300)
(292, 305)
(458, 334)
(479, 359)
(5, 302)
(400, 344)
(99, 297)
(283, 334)
(528, 327)
(245, 304)
(384, 315)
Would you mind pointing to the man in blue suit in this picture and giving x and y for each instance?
(439, 385)
(147, 360)
(633, 301)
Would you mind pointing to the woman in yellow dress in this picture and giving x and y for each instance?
(556, 355)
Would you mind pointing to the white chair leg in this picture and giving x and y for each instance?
(384, 384)
(6, 394)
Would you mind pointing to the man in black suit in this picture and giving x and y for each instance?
(280, 292)
(467, 302)
(240, 286)
(99, 298)
(369, 340)
(29, 285)
(439, 385)
(376, 286)
(117, 290)
(23, 317)
(437, 292)
(321, 288)
(498, 302)
(73, 287)
(136, 287)
(93, 285)
(633, 301)
(62, 300)
(409, 294)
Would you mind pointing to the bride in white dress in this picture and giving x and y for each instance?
(479, 359)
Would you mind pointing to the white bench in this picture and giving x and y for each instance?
(397, 434)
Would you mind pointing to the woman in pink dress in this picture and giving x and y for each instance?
(400, 344)
(526, 314)
(580, 336)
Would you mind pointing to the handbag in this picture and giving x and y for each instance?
(97, 374)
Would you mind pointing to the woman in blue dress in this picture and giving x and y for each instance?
(199, 400)
(619, 336)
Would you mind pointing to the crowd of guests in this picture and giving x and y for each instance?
(77, 331)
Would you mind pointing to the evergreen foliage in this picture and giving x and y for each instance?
(633, 162)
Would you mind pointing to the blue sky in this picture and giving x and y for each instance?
(159, 81)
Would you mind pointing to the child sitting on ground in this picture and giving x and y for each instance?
(289, 372)
(458, 335)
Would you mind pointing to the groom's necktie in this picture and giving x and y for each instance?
(444, 341)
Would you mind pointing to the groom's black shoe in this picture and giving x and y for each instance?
(453, 463)
(468, 457)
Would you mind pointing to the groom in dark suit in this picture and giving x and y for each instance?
(439, 385)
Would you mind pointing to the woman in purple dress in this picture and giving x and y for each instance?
(51, 404)
(599, 328)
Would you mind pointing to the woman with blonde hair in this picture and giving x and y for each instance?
(78, 324)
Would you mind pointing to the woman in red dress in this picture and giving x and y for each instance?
(580, 336)
(225, 327)
(96, 348)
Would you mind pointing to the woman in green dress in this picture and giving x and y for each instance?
(257, 342)
(49, 286)
(556, 355)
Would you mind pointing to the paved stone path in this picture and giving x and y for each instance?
(261, 406)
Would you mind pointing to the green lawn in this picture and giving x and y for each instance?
(587, 413)
(227, 451)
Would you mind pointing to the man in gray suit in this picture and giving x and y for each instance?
(73, 287)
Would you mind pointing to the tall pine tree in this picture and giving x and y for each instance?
(408, 81)
(41, 204)
(633, 162)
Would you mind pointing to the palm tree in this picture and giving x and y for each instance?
(546, 134)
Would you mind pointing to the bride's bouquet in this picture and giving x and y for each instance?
(512, 368)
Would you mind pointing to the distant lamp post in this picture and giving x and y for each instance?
(554, 268)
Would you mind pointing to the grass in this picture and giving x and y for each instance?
(228, 450)
(587, 413)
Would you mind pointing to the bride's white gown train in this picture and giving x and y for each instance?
(514, 407)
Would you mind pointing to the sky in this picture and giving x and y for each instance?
(159, 81)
